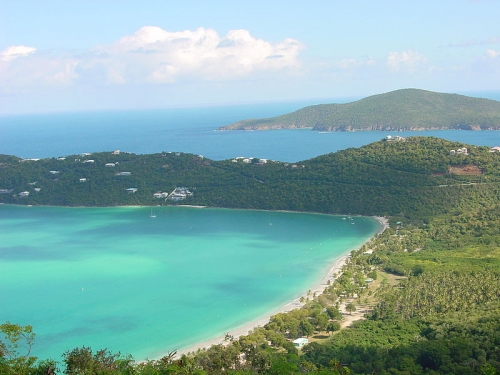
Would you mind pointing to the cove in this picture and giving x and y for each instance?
(120, 279)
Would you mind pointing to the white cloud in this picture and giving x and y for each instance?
(35, 70)
(407, 60)
(151, 55)
(155, 55)
(10, 53)
(492, 54)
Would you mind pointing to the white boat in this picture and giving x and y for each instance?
(152, 214)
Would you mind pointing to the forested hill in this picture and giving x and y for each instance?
(401, 110)
(415, 178)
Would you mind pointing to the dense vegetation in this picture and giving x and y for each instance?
(429, 286)
(407, 109)
(414, 178)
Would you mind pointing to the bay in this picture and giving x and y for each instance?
(116, 278)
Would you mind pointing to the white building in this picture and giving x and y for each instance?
(300, 342)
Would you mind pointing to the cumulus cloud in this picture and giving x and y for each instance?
(152, 55)
(155, 55)
(10, 53)
(407, 60)
(21, 69)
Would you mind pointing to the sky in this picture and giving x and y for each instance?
(86, 55)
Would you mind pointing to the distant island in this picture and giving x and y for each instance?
(400, 110)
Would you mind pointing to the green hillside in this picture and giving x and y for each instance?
(415, 177)
(401, 110)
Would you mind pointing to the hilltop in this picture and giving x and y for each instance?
(414, 177)
(400, 110)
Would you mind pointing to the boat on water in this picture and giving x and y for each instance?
(152, 214)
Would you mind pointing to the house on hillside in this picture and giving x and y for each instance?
(159, 195)
(300, 342)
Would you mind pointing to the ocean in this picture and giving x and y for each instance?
(191, 130)
(115, 278)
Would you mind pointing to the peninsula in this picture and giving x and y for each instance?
(400, 110)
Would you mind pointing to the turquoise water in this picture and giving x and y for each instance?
(115, 278)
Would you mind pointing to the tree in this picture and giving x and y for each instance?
(14, 338)
(82, 361)
(333, 327)
(334, 313)
(306, 328)
(350, 307)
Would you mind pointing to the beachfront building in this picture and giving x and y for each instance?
(179, 194)
(300, 342)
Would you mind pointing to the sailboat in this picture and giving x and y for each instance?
(152, 214)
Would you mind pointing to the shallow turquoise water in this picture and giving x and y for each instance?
(115, 278)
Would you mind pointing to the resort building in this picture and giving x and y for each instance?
(179, 194)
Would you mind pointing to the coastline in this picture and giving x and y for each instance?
(292, 305)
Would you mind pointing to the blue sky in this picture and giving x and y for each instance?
(62, 55)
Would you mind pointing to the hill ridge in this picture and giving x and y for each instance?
(400, 110)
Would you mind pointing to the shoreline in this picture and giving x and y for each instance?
(264, 319)
(318, 289)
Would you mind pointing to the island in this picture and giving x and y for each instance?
(422, 296)
(400, 110)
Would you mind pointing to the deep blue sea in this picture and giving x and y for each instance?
(191, 130)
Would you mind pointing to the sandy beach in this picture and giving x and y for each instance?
(249, 326)
(317, 289)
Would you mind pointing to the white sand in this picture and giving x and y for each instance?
(249, 326)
